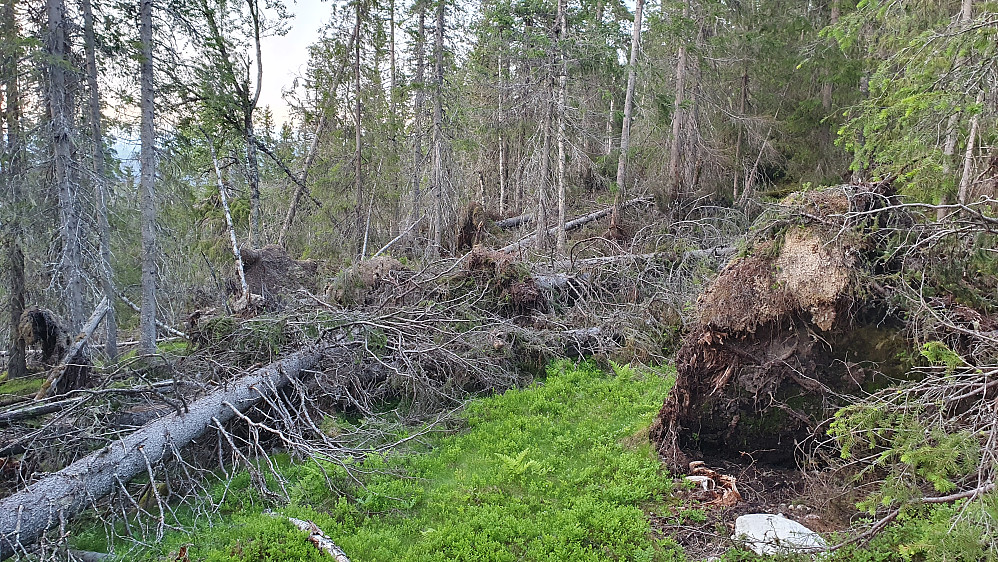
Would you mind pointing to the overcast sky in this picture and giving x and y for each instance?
(287, 56)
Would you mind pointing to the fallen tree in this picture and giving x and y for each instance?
(74, 368)
(575, 223)
(25, 515)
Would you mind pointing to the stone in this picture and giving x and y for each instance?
(766, 534)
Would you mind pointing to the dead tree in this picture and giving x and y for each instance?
(24, 516)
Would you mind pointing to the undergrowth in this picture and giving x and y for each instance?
(558, 471)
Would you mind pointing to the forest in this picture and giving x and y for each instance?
(499, 280)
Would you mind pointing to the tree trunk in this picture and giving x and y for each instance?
(678, 115)
(313, 147)
(24, 516)
(61, 113)
(966, 179)
(562, 102)
(147, 186)
(949, 145)
(417, 115)
(252, 161)
(75, 359)
(11, 178)
(438, 130)
(625, 130)
(358, 181)
(540, 238)
(244, 286)
(100, 184)
(572, 224)
(741, 133)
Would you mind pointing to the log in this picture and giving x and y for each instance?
(316, 536)
(715, 252)
(75, 357)
(514, 222)
(575, 223)
(24, 516)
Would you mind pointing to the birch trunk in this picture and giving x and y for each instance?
(952, 125)
(147, 185)
(61, 114)
(222, 193)
(101, 186)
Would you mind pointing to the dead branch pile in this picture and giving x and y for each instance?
(425, 339)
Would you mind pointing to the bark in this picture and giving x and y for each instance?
(159, 324)
(625, 131)
(101, 186)
(358, 182)
(514, 222)
(24, 516)
(61, 114)
(678, 115)
(741, 132)
(302, 179)
(76, 357)
(438, 129)
(949, 145)
(540, 237)
(574, 223)
(317, 537)
(562, 101)
(147, 185)
(417, 110)
(252, 163)
(13, 172)
(244, 286)
(968, 160)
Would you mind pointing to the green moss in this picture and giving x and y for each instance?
(24, 386)
(540, 474)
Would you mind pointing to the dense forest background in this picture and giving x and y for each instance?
(409, 112)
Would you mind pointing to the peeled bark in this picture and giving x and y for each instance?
(24, 516)
(228, 221)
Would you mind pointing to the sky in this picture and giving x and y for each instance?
(285, 57)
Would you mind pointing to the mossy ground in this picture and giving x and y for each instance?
(551, 472)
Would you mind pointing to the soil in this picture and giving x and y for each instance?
(764, 489)
(270, 271)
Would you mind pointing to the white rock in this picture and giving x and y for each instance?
(766, 534)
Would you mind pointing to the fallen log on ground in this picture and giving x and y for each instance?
(514, 222)
(575, 223)
(24, 516)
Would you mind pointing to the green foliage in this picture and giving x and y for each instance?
(551, 472)
(937, 353)
(903, 445)
(28, 385)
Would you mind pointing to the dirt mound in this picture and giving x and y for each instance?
(270, 271)
(509, 281)
(358, 283)
(772, 351)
